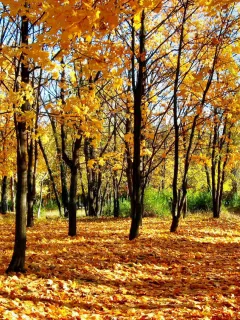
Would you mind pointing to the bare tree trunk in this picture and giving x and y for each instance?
(92, 196)
(208, 178)
(72, 231)
(40, 199)
(175, 200)
(31, 189)
(73, 164)
(17, 263)
(139, 93)
(4, 200)
(116, 207)
(129, 163)
(13, 197)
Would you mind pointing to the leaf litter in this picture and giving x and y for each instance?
(100, 274)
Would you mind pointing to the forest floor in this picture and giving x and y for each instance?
(100, 274)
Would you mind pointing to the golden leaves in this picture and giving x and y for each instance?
(137, 20)
(106, 276)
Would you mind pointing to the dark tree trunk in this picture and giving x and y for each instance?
(215, 202)
(163, 170)
(98, 193)
(65, 195)
(17, 263)
(62, 152)
(84, 197)
(179, 196)
(30, 181)
(93, 183)
(73, 164)
(13, 197)
(208, 178)
(116, 208)
(40, 199)
(72, 231)
(72, 209)
(175, 199)
(139, 92)
(4, 202)
(129, 167)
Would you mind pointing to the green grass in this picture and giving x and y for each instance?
(157, 203)
(199, 201)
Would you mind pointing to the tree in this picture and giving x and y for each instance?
(17, 263)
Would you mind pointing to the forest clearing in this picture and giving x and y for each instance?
(100, 274)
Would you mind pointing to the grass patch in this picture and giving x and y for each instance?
(157, 203)
(199, 201)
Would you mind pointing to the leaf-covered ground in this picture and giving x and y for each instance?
(99, 274)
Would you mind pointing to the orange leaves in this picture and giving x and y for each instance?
(101, 275)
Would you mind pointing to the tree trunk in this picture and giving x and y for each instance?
(72, 208)
(13, 197)
(139, 92)
(17, 263)
(73, 164)
(213, 171)
(93, 183)
(4, 202)
(176, 213)
(208, 178)
(84, 197)
(31, 189)
(40, 199)
(65, 195)
(72, 231)
(116, 208)
(129, 167)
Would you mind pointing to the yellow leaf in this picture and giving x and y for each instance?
(91, 163)
(101, 161)
(88, 38)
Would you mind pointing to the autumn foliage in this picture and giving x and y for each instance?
(99, 274)
(102, 102)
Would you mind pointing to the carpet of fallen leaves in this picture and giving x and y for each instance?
(100, 274)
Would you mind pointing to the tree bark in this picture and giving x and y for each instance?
(13, 197)
(4, 202)
(31, 189)
(116, 208)
(17, 263)
(72, 230)
(175, 199)
(139, 92)
(73, 164)
(72, 209)
(93, 184)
